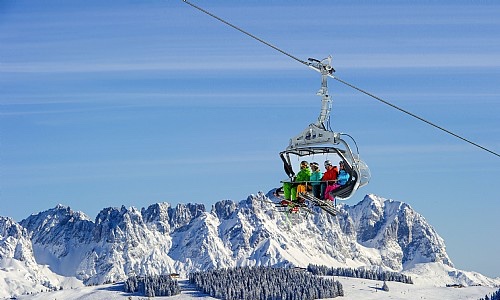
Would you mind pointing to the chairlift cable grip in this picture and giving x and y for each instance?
(340, 80)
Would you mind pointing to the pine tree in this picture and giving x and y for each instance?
(385, 287)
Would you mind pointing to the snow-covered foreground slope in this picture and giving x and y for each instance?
(436, 274)
(16, 279)
(354, 289)
(48, 250)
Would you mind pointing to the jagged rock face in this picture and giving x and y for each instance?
(402, 235)
(163, 239)
(59, 235)
(224, 209)
(14, 241)
(182, 214)
(59, 228)
(157, 216)
(124, 244)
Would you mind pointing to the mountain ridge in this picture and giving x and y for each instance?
(375, 233)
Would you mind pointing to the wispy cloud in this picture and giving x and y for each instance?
(213, 63)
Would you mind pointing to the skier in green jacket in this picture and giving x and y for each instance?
(290, 188)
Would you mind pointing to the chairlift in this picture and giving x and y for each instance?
(318, 140)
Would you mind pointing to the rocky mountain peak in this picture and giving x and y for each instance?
(182, 214)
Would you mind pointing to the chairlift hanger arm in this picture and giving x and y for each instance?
(313, 63)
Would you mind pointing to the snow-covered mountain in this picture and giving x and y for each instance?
(161, 239)
(19, 271)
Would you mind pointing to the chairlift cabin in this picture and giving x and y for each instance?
(356, 168)
(319, 141)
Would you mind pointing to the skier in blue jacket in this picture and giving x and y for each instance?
(342, 179)
(343, 176)
(315, 179)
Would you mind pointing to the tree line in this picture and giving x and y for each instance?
(494, 296)
(359, 273)
(265, 283)
(153, 285)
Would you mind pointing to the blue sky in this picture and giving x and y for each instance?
(136, 102)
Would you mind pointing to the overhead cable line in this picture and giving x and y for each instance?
(247, 33)
(342, 81)
(416, 117)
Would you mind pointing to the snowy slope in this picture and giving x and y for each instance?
(161, 239)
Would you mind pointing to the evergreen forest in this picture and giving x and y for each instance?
(151, 286)
(494, 296)
(359, 273)
(265, 283)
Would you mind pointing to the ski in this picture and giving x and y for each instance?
(325, 205)
(288, 206)
(295, 206)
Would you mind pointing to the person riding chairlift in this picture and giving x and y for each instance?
(342, 179)
(315, 178)
(328, 179)
(299, 184)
